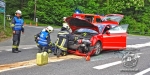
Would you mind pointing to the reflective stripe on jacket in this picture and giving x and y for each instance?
(18, 23)
(43, 38)
(62, 40)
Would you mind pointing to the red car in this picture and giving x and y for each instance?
(99, 36)
(96, 19)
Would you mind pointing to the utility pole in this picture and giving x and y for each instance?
(4, 17)
(108, 6)
(35, 10)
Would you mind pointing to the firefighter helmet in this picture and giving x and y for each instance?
(18, 12)
(50, 29)
(65, 25)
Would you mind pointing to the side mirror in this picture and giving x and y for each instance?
(107, 32)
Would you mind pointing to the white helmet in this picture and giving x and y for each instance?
(50, 29)
(64, 18)
(65, 25)
(18, 12)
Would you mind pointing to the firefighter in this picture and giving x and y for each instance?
(63, 38)
(43, 39)
(17, 27)
(65, 24)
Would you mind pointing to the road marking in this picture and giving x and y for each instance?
(8, 50)
(142, 38)
(139, 45)
(17, 68)
(107, 65)
(100, 67)
(30, 63)
(129, 38)
(42, 27)
(28, 48)
(143, 72)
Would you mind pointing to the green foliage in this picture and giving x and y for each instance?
(4, 33)
(52, 11)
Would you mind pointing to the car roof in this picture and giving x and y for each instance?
(97, 24)
(87, 14)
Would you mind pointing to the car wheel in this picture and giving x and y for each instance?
(98, 48)
(58, 52)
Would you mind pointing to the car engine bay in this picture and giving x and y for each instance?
(83, 42)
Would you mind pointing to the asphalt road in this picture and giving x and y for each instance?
(107, 63)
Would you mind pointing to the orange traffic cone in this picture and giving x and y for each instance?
(36, 24)
(30, 24)
(88, 58)
(25, 24)
(77, 51)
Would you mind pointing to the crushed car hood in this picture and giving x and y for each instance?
(76, 23)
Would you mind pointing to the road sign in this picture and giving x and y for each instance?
(2, 10)
(2, 4)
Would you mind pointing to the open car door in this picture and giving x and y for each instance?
(115, 38)
(112, 18)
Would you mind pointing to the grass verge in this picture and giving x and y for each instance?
(7, 33)
(27, 21)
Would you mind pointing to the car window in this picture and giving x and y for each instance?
(113, 25)
(119, 29)
(101, 27)
(89, 18)
(98, 20)
(115, 29)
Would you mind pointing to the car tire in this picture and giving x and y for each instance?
(98, 48)
(58, 52)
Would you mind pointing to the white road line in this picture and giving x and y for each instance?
(143, 72)
(139, 45)
(17, 68)
(28, 48)
(42, 27)
(39, 27)
(142, 38)
(107, 65)
(8, 49)
(129, 38)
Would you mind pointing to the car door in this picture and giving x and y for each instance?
(112, 18)
(115, 38)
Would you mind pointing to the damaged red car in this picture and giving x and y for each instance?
(94, 38)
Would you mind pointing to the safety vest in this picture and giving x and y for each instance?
(43, 38)
(62, 40)
(18, 23)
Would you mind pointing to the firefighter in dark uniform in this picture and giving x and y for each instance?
(17, 27)
(43, 39)
(64, 36)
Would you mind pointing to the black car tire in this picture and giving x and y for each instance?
(58, 52)
(98, 48)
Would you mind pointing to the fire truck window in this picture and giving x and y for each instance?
(89, 18)
(98, 20)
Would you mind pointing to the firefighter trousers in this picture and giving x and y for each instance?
(16, 41)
